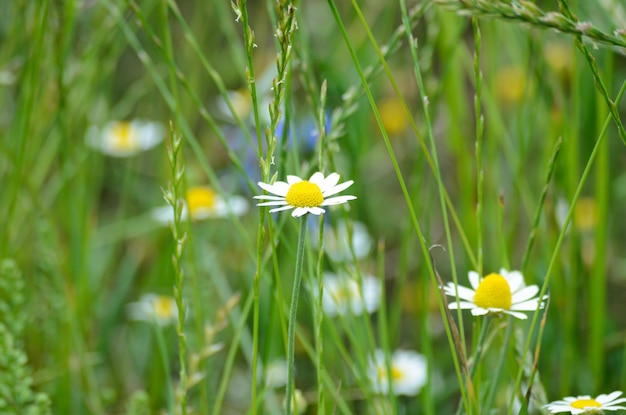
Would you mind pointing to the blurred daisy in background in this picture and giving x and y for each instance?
(392, 115)
(587, 405)
(496, 293)
(339, 239)
(298, 402)
(276, 373)
(342, 294)
(125, 139)
(154, 308)
(204, 203)
(511, 84)
(305, 196)
(408, 372)
(241, 102)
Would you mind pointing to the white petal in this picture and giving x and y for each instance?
(273, 203)
(464, 293)
(330, 182)
(293, 179)
(479, 311)
(608, 398)
(269, 197)
(463, 305)
(318, 179)
(474, 279)
(514, 278)
(336, 189)
(278, 188)
(337, 200)
(530, 305)
(316, 210)
(281, 208)
(521, 316)
(525, 294)
(299, 211)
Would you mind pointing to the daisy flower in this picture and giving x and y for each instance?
(125, 139)
(496, 293)
(153, 307)
(342, 295)
(305, 196)
(587, 405)
(203, 203)
(408, 372)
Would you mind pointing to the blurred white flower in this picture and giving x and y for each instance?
(342, 295)
(276, 373)
(337, 241)
(154, 307)
(204, 203)
(241, 102)
(587, 405)
(298, 402)
(125, 139)
(408, 372)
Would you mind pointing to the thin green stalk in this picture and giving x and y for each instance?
(171, 400)
(495, 378)
(384, 332)
(293, 311)
(173, 195)
(230, 357)
(559, 242)
(401, 181)
(319, 318)
(479, 120)
(542, 198)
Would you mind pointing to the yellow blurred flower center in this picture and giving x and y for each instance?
(511, 84)
(341, 294)
(396, 373)
(122, 137)
(493, 292)
(200, 198)
(586, 214)
(585, 403)
(392, 115)
(304, 194)
(163, 307)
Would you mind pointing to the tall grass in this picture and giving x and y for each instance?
(480, 135)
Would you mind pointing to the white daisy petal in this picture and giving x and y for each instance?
(293, 179)
(464, 293)
(474, 279)
(530, 305)
(273, 203)
(318, 179)
(514, 278)
(337, 200)
(516, 314)
(281, 208)
(299, 211)
(610, 397)
(330, 182)
(525, 293)
(269, 197)
(316, 210)
(339, 188)
(478, 311)
(463, 305)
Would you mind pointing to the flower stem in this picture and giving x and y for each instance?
(293, 311)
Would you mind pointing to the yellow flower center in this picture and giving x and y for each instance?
(304, 194)
(396, 374)
(163, 307)
(392, 115)
(493, 292)
(200, 199)
(122, 137)
(585, 403)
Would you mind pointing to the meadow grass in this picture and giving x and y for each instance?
(137, 276)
